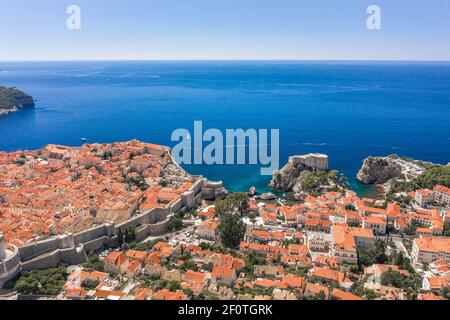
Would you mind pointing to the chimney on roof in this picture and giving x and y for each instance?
(2, 248)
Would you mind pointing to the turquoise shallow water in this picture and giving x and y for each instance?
(347, 110)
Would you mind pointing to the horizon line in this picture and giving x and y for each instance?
(228, 60)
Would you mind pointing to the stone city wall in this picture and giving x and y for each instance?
(35, 249)
(156, 229)
(106, 229)
(98, 244)
(71, 256)
(9, 267)
(176, 206)
(71, 249)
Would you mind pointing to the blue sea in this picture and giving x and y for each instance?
(348, 110)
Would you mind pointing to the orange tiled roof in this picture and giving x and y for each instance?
(267, 283)
(222, 272)
(328, 274)
(314, 289)
(294, 281)
(343, 295)
(192, 276)
(432, 244)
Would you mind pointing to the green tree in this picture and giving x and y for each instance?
(445, 292)
(175, 224)
(232, 230)
(189, 293)
(252, 217)
(240, 199)
(447, 230)
(94, 262)
(130, 235)
(120, 238)
(380, 252)
(173, 286)
(225, 206)
(46, 282)
(376, 254)
(90, 284)
(236, 202)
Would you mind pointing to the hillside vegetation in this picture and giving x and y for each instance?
(12, 100)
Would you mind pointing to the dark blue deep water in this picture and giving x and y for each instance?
(346, 110)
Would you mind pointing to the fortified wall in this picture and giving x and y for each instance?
(314, 161)
(9, 262)
(72, 249)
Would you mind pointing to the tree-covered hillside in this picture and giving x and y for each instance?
(12, 100)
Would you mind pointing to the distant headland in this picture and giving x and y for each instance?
(12, 100)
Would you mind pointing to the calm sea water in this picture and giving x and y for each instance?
(346, 110)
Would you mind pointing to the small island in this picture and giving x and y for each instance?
(12, 100)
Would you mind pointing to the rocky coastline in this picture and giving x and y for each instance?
(394, 176)
(378, 170)
(13, 100)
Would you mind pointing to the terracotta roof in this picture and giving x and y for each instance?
(327, 273)
(138, 255)
(113, 256)
(343, 295)
(374, 220)
(432, 244)
(222, 272)
(428, 296)
(76, 293)
(267, 283)
(442, 189)
(438, 282)
(294, 281)
(192, 276)
(314, 289)
(167, 295)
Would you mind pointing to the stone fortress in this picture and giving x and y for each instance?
(314, 161)
(72, 249)
(9, 262)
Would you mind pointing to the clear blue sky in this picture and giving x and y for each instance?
(225, 29)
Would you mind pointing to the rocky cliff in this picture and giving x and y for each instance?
(286, 178)
(378, 170)
(303, 180)
(12, 100)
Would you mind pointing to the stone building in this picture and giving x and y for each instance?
(315, 161)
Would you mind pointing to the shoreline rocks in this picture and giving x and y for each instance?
(268, 196)
(252, 192)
